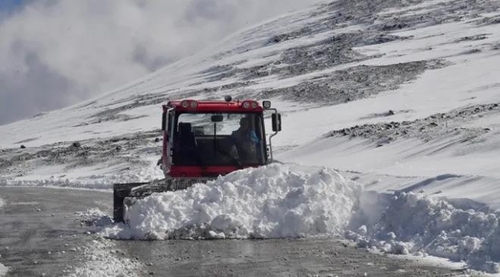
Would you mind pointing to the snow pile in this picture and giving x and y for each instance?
(95, 219)
(1, 202)
(3, 270)
(413, 223)
(275, 201)
(101, 260)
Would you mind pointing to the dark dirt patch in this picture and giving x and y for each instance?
(426, 129)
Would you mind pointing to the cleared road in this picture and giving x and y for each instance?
(40, 235)
(39, 231)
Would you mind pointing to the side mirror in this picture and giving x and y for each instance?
(217, 118)
(276, 117)
(266, 104)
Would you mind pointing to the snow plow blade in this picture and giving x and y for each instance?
(125, 195)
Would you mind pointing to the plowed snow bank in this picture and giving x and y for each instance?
(275, 201)
(413, 223)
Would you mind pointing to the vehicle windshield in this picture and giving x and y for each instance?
(219, 139)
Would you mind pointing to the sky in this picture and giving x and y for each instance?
(55, 53)
(9, 6)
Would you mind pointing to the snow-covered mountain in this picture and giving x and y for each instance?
(398, 95)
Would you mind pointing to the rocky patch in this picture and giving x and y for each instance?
(128, 148)
(354, 83)
(426, 129)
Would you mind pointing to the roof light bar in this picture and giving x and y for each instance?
(193, 104)
(250, 104)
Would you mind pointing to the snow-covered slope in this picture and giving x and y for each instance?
(384, 88)
(397, 95)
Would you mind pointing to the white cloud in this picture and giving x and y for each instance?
(56, 52)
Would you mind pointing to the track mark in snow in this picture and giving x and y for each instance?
(428, 181)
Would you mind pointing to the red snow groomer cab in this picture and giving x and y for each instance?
(202, 140)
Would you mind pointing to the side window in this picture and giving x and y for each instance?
(170, 125)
